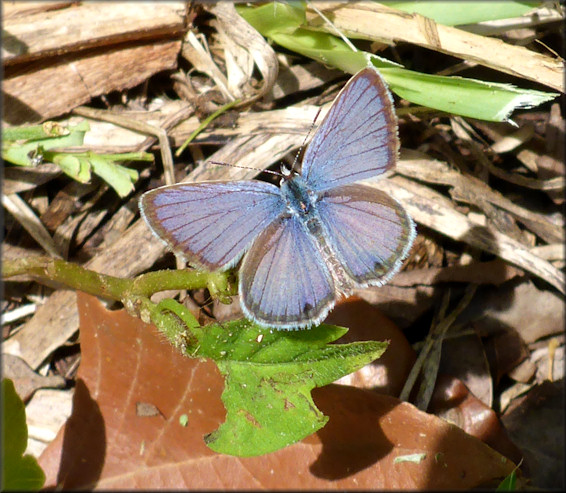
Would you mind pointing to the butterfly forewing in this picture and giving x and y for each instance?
(211, 223)
(358, 137)
(369, 232)
(283, 280)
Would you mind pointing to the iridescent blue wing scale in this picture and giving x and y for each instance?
(211, 223)
(284, 282)
(358, 137)
(369, 231)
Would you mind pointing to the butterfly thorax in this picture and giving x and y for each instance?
(299, 198)
(301, 202)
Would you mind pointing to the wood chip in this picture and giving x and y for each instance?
(87, 25)
(77, 78)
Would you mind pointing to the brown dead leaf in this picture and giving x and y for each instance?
(25, 379)
(105, 445)
(492, 272)
(520, 305)
(535, 422)
(505, 351)
(453, 401)
(367, 323)
(464, 357)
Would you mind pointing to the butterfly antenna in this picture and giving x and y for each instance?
(277, 173)
(305, 141)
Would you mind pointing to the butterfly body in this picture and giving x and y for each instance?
(317, 237)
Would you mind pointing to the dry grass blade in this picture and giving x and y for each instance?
(201, 59)
(244, 46)
(23, 213)
(433, 344)
(469, 189)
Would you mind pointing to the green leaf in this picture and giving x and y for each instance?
(269, 377)
(73, 166)
(464, 12)
(34, 132)
(19, 153)
(509, 483)
(118, 177)
(269, 374)
(489, 101)
(19, 472)
(457, 95)
(274, 17)
(329, 50)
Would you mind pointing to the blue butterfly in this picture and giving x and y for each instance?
(317, 237)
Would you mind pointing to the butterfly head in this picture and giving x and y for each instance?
(299, 197)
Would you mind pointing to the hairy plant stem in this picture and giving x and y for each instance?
(76, 277)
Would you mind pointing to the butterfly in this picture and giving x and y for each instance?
(314, 239)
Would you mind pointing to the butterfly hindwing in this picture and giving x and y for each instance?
(211, 223)
(369, 231)
(284, 282)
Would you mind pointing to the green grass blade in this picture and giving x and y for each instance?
(464, 12)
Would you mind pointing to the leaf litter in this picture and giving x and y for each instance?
(486, 198)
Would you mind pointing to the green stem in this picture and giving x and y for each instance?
(162, 280)
(126, 156)
(71, 275)
(76, 277)
(204, 124)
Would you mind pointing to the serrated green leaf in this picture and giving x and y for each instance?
(464, 12)
(269, 378)
(19, 472)
(118, 177)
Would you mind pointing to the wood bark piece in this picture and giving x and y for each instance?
(43, 90)
(13, 9)
(371, 20)
(87, 25)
